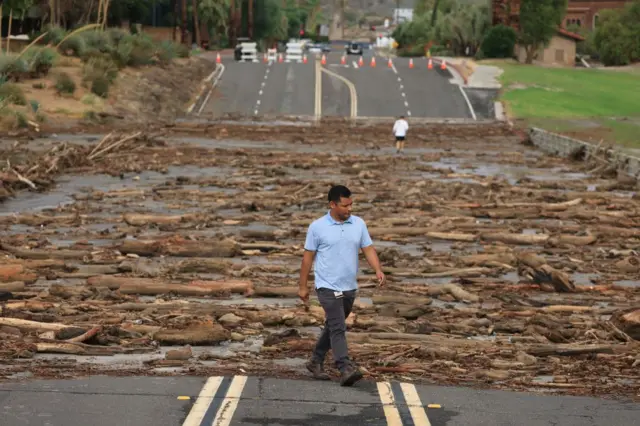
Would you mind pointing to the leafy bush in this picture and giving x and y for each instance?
(40, 60)
(13, 94)
(98, 40)
(617, 35)
(144, 50)
(65, 84)
(54, 35)
(74, 45)
(100, 86)
(411, 51)
(13, 68)
(99, 67)
(167, 51)
(182, 51)
(499, 42)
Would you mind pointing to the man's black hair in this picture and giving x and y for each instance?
(338, 191)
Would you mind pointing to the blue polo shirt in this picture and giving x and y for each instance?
(337, 246)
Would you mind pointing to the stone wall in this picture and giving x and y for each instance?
(565, 146)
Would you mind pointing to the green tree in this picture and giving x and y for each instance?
(617, 35)
(464, 26)
(539, 20)
(499, 42)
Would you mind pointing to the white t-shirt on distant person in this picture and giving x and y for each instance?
(400, 127)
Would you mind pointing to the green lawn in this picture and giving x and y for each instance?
(573, 99)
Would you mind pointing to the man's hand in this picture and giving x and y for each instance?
(303, 293)
(382, 279)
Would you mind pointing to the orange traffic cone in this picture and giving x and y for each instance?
(218, 59)
(410, 62)
(443, 66)
(266, 58)
(324, 60)
(280, 58)
(360, 62)
(430, 64)
(389, 64)
(343, 60)
(373, 61)
(304, 59)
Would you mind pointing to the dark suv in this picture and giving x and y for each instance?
(354, 48)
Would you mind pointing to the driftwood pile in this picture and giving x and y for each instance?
(497, 279)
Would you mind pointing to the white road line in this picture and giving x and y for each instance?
(466, 98)
(399, 79)
(409, 113)
(402, 86)
(418, 413)
(393, 67)
(355, 65)
(230, 402)
(255, 112)
(260, 92)
(403, 95)
(389, 404)
(201, 405)
(406, 103)
(213, 85)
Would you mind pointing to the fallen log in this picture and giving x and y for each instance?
(516, 239)
(46, 254)
(451, 236)
(382, 299)
(572, 240)
(141, 248)
(85, 336)
(460, 294)
(13, 286)
(407, 338)
(33, 325)
(461, 272)
(203, 265)
(16, 272)
(203, 249)
(242, 287)
(114, 282)
(196, 335)
(567, 349)
(136, 219)
(483, 259)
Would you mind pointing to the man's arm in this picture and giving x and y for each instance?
(305, 268)
(372, 257)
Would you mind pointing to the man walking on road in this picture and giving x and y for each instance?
(334, 241)
(400, 128)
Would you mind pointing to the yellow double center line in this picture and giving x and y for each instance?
(352, 90)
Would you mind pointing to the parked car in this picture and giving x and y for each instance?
(317, 47)
(354, 48)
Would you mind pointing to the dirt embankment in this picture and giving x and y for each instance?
(507, 268)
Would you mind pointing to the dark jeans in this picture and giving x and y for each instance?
(334, 334)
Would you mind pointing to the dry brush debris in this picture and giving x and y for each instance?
(506, 267)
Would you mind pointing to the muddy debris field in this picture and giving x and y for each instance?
(177, 252)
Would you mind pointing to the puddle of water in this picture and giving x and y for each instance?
(543, 379)
(291, 362)
(584, 279)
(627, 283)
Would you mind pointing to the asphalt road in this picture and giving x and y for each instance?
(280, 88)
(242, 401)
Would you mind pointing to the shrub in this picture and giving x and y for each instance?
(167, 51)
(100, 86)
(144, 50)
(65, 84)
(74, 46)
(182, 50)
(116, 35)
(98, 40)
(13, 94)
(54, 35)
(499, 42)
(12, 67)
(40, 60)
(411, 51)
(122, 54)
(99, 67)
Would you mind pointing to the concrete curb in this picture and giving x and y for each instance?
(565, 146)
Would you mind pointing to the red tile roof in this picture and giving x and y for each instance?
(569, 34)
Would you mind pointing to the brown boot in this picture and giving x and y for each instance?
(350, 375)
(317, 370)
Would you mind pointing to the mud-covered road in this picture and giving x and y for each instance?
(507, 268)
